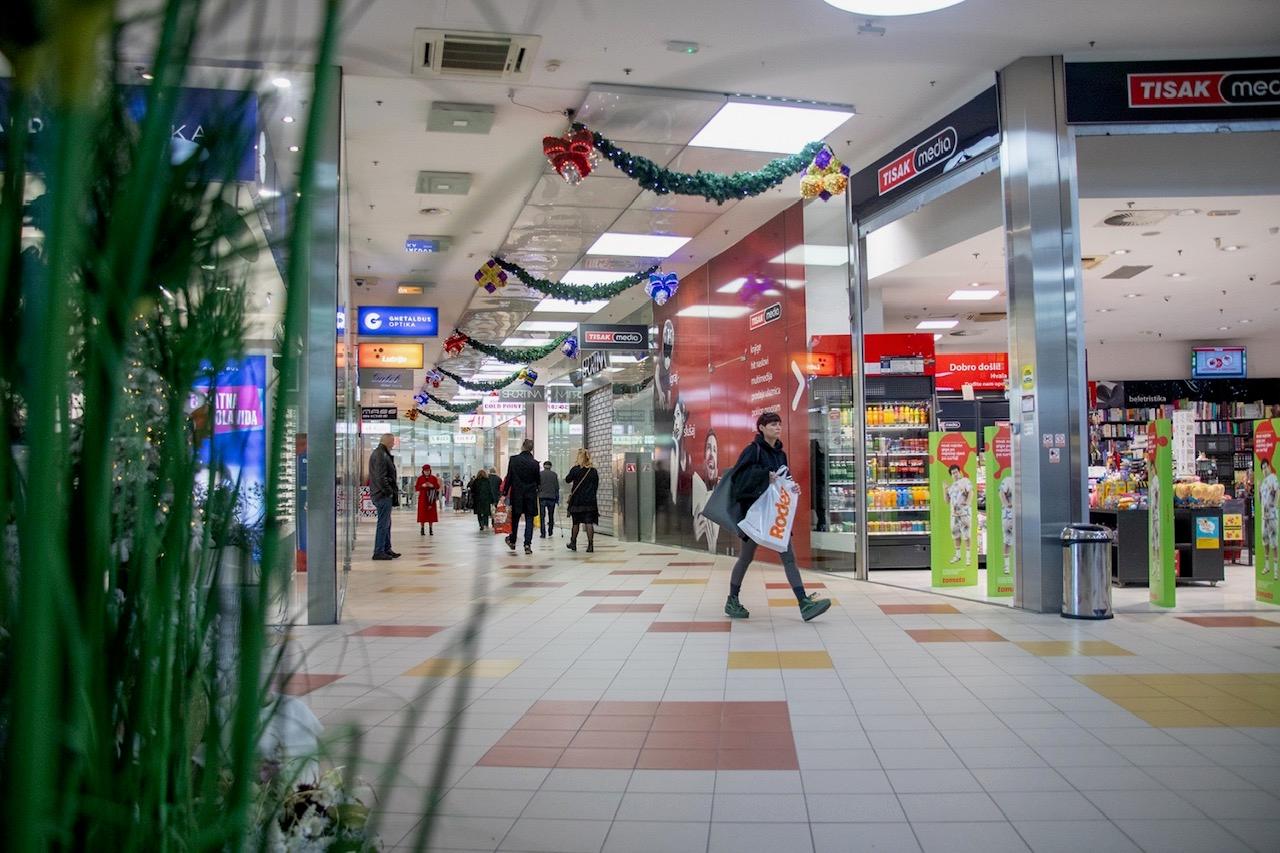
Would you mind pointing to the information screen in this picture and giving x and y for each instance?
(1218, 363)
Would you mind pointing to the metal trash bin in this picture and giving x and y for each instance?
(1086, 572)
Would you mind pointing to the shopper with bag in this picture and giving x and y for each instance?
(584, 481)
(521, 490)
(484, 496)
(767, 501)
(427, 488)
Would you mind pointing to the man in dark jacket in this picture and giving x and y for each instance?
(521, 488)
(548, 497)
(384, 490)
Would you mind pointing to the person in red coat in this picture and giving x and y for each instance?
(428, 489)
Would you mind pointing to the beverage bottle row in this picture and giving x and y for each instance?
(897, 415)
(897, 527)
(886, 444)
(901, 497)
(842, 498)
(900, 468)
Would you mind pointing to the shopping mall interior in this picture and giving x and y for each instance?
(1005, 275)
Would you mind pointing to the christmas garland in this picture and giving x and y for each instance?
(627, 390)
(440, 419)
(575, 292)
(455, 408)
(515, 355)
(710, 185)
(472, 385)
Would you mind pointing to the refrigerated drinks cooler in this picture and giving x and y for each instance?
(900, 414)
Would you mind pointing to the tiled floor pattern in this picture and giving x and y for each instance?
(1017, 731)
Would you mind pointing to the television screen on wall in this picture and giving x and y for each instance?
(1218, 363)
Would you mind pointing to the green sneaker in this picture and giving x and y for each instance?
(734, 610)
(814, 607)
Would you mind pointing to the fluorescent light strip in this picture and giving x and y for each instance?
(768, 127)
(556, 326)
(637, 245)
(714, 312)
(973, 295)
(568, 306)
(815, 256)
(926, 325)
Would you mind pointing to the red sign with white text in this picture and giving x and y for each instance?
(985, 371)
(1204, 89)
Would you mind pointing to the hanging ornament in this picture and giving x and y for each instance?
(490, 276)
(575, 292)
(825, 177)
(572, 156)
(420, 398)
(528, 376)
(411, 414)
(662, 287)
(455, 343)
(434, 378)
(570, 347)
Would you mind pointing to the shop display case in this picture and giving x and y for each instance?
(900, 415)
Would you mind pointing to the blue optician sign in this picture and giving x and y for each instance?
(384, 321)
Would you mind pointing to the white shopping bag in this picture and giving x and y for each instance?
(770, 518)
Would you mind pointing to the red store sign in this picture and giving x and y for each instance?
(985, 371)
(1204, 88)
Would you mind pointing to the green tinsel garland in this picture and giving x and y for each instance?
(627, 390)
(472, 385)
(575, 292)
(710, 185)
(516, 355)
(440, 419)
(455, 408)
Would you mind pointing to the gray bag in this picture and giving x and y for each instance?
(720, 509)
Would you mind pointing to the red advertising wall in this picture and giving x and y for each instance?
(728, 342)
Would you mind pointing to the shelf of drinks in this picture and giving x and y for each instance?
(899, 453)
(902, 533)
(897, 509)
(908, 428)
(897, 482)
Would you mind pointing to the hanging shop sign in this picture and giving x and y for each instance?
(408, 356)
(475, 421)
(379, 413)
(598, 336)
(388, 379)
(1173, 90)
(1161, 571)
(536, 394)
(385, 321)
(439, 438)
(953, 508)
(998, 457)
(983, 371)
(464, 438)
(1266, 503)
(902, 354)
(496, 406)
(967, 133)
(593, 362)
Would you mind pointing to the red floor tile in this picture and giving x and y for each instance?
(908, 609)
(300, 683)
(756, 709)
(1230, 622)
(758, 724)
(537, 738)
(757, 759)
(617, 724)
(977, 635)
(552, 722)
(693, 723)
(713, 709)
(399, 631)
(608, 740)
(607, 708)
(732, 739)
(516, 756)
(608, 593)
(691, 627)
(637, 572)
(677, 759)
(535, 585)
(562, 706)
(599, 759)
(682, 740)
(784, 585)
(626, 608)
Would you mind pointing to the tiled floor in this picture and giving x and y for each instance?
(641, 719)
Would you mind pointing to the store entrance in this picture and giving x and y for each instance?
(1180, 236)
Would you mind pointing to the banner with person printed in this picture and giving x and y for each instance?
(953, 508)
(999, 502)
(1266, 513)
(1161, 558)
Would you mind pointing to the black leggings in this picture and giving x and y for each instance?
(748, 553)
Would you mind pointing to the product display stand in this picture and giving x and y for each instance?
(900, 416)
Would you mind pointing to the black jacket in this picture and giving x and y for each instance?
(751, 473)
(523, 478)
(582, 494)
(382, 474)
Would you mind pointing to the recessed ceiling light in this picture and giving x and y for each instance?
(293, 149)
(1234, 247)
(1132, 295)
(975, 284)
(775, 127)
(547, 326)
(1177, 275)
(1105, 310)
(637, 245)
(568, 306)
(891, 8)
(524, 342)
(281, 82)
(146, 75)
(814, 255)
(212, 267)
(1189, 211)
(1120, 252)
(973, 295)
(1246, 321)
(937, 324)
(1224, 328)
(714, 312)
(287, 119)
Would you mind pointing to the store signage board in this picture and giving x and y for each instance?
(947, 144)
(606, 336)
(1266, 512)
(1196, 90)
(765, 316)
(475, 421)
(879, 350)
(557, 408)
(536, 394)
(495, 406)
(953, 508)
(389, 379)
(464, 438)
(983, 371)
(379, 413)
(593, 363)
(998, 458)
(407, 356)
(386, 321)
(1162, 577)
(439, 438)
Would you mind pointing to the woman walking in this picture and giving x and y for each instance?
(584, 480)
(427, 488)
(757, 467)
(483, 497)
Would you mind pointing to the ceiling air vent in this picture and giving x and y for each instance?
(1128, 271)
(987, 317)
(1136, 218)
(1223, 213)
(1090, 261)
(493, 56)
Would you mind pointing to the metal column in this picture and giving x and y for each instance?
(1046, 341)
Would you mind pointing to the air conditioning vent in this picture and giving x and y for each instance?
(1090, 261)
(1136, 218)
(1127, 271)
(493, 56)
(987, 317)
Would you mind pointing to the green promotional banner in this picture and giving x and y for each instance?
(999, 462)
(1161, 574)
(1266, 511)
(953, 508)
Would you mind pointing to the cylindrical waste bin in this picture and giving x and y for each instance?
(1086, 572)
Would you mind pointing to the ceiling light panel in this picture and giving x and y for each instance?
(926, 325)
(460, 118)
(769, 127)
(815, 255)
(443, 183)
(557, 326)
(568, 306)
(973, 295)
(891, 8)
(637, 245)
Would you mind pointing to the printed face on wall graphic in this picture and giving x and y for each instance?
(710, 458)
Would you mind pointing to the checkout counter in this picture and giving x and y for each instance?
(1197, 536)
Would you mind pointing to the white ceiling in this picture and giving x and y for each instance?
(923, 66)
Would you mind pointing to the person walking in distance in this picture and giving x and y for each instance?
(427, 488)
(521, 489)
(484, 495)
(584, 481)
(384, 490)
(457, 492)
(548, 497)
(756, 468)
